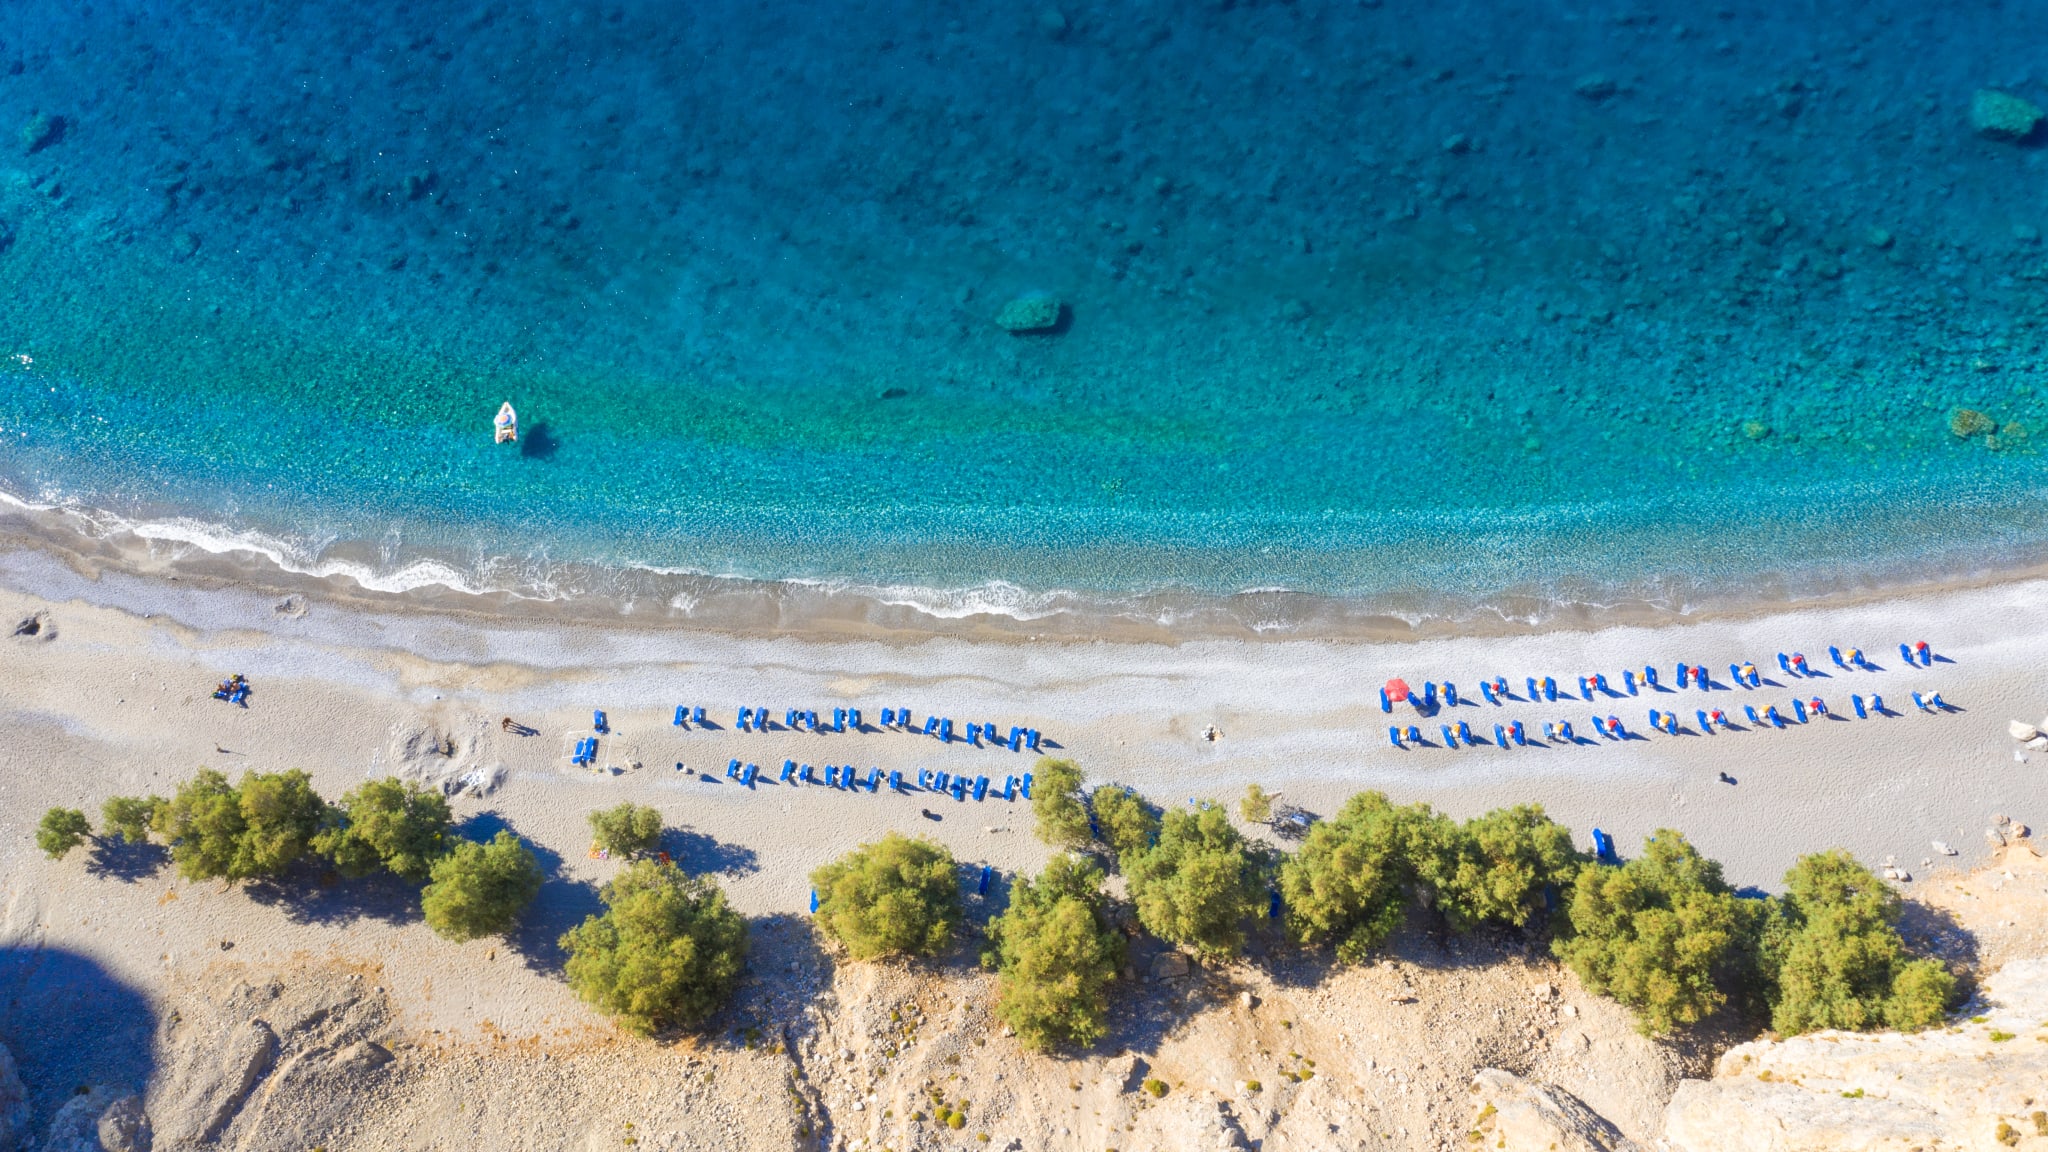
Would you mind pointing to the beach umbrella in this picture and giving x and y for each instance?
(1397, 690)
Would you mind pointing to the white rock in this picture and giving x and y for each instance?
(2021, 730)
(1515, 1114)
(2038, 744)
(1942, 847)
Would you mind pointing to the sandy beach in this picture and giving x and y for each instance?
(111, 695)
(119, 702)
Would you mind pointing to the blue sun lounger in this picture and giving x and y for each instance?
(1450, 694)
(1785, 663)
(1771, 714)
(1550, 688)
(839, 719)
(1394, 735)
(1671, 723)
(1534, 692)
(1706, 725)
(974, 735)
(959, 787)
(1009, 787)
(1603, 848)
(1835, 654)
(981, 787)
(981, 885)
(931, 725)
(1856, 702)
(1500, 736)
(874, 780)
(1450, 737)
(896, 780)
(1657, 719)
(1585, 688)
(807, 774)
(1465, 733)
(1016, 739)
(788, 772)
(747, 777)
(1386, 705)
(732, 769)
(1520, 735)
(1031, 739)
(941, 781)
(946, 731)
(1429, 694)
(834, 776)
(1650, 675)
(1919, 702)
(853, 719)
(1628, 680)
(1877, 703)
(697, 716)
(814, 901)
(597, 720)
(1026, 786)
(682, 715)
(924, 778)
(1799, 709)
(1485, 690)
(888, 717)
(746, 719)
(1564, 729)
(1906, 654)
(1415, 734)
(1750, 709)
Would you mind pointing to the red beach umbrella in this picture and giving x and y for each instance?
(1397, 690)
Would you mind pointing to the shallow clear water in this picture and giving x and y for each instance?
(1400, 308)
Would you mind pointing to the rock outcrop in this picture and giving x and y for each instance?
(1982, 1083)
(13, 1103)
(1515, 1115)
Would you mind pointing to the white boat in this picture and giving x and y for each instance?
(508, 423)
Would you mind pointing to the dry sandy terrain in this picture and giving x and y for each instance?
(111, 695)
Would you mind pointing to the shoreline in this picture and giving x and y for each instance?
(92, 544)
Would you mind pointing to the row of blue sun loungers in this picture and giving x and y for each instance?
(1661, 720)
(1017, 739)
(586, 751)
(1497, 692)
(849, 777)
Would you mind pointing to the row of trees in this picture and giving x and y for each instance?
(668, 949)
(1663, 933)
(269, 821)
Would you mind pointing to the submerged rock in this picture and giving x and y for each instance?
(2002, 116)
(1031, 312)
(1968, 422)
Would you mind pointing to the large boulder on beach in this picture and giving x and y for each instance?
(2022, 731)
(2003, 116)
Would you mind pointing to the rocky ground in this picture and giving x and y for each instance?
(1434, 1042)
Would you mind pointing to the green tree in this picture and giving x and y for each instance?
(280, 816)
(1257, 805)
(1056, 953)
(1495, 867)
(480, 889)
(894, 897)
(627, 830)
(388, 824)
(203, 824)
(1197, 885)
(1353, 877)
(1056, 802)
(667, 949)
(129, 817)
(1835, 958)
(61, 830)
(1657, 933)
(1127, 822)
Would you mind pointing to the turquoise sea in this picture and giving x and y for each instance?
(1480, 308)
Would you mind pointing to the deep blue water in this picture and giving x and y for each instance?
(1401, 304)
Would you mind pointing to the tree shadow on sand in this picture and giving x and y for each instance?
(311, 892)
(112, 858)
(699, 854)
